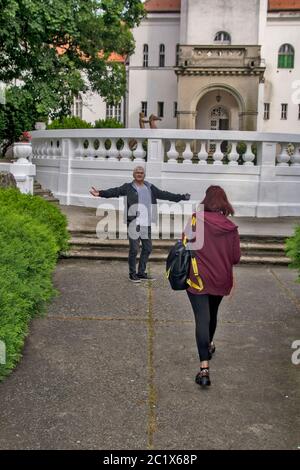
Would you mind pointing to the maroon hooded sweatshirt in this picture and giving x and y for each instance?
(220, 251)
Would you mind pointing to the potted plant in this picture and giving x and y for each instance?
(23, 149)
(41, 122)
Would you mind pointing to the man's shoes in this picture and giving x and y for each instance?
(211, 350)
(202, 378)
(145, 277)
(134, 278)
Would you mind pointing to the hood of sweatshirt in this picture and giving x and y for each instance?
(217, 222)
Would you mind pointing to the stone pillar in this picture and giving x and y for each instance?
(186, 119)
(267, 196)
(64, 177)
(248, 121)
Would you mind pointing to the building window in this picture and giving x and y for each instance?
(286, 57)
(145, 108)
(145, 55)
(223, 38)
(266, 111)
(76, 109)
(298, 111)
(284, 110)
(113, 112)
(177, 54)
(161, 55)
(160, 109)
(175, 109)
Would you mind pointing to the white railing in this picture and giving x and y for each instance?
(260, 171)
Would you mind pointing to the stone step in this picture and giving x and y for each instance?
(46, 194)
(268, 239)
(89, 242)
(113, 255)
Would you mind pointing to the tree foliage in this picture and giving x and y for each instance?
(55, 49)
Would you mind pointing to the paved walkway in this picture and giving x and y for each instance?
(84, 218)
(112, 366)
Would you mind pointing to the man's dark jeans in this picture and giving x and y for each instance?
(145, 237)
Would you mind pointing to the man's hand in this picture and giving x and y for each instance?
(187, 197)
(94, 192)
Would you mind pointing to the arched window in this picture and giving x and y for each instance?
(161, 55)
(222, 37)
(145, 55)
(286, 57)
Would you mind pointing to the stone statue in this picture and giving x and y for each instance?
(142, 120)
(152, 121)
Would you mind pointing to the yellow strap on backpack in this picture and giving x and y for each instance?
(200, 285)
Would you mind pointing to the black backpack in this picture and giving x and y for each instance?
(178, 266)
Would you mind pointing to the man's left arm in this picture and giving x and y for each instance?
(167, 196)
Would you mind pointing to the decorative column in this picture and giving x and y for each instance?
(23, 170)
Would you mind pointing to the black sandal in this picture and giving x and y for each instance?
(202, 378)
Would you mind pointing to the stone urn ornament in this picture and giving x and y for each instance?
(22, 150)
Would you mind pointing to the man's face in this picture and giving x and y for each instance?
(139, 175)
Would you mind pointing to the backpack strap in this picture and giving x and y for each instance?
(200, 285)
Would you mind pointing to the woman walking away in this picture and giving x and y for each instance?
(211, 275)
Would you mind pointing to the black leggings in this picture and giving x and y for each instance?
(205, 309)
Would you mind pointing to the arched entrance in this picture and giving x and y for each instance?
(219, 119)
(218, 109)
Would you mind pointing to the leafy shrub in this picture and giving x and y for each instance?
(40, 210)
(108, 124)
(69, 122)
(28, 254)
(292, 249)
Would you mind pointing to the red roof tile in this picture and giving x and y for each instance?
(174, 5)
(279, 5)
(162, 5)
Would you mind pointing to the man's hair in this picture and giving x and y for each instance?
(138, 168)
(216, 201)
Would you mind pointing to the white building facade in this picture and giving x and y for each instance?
(210, 64)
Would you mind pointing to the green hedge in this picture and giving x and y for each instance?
(40, 210)
(69, 122)
(292, 248)
(29, 247)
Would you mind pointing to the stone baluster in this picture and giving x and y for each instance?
(58, 148)
(101, 151)
(233, 156)
(218, 154)
(79, 150)
(139, 153)
(113, 152)
(202, 154)
(172, 154)
(90, 151)
(295, 158)
(187, 154)
(125, 152)
(248, 156)
(283, 157)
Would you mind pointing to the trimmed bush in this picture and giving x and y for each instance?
(108, 124)
(69, 122)
(28, 254)
(40, 210)
(292, 248)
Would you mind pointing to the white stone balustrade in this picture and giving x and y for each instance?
(259, 171)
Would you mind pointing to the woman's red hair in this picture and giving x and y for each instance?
(216, 201)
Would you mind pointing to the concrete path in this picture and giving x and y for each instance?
(84, 218)
(112, 366)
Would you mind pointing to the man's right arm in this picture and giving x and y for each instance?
(114, 192)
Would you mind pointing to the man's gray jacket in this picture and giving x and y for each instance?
(131, 198)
